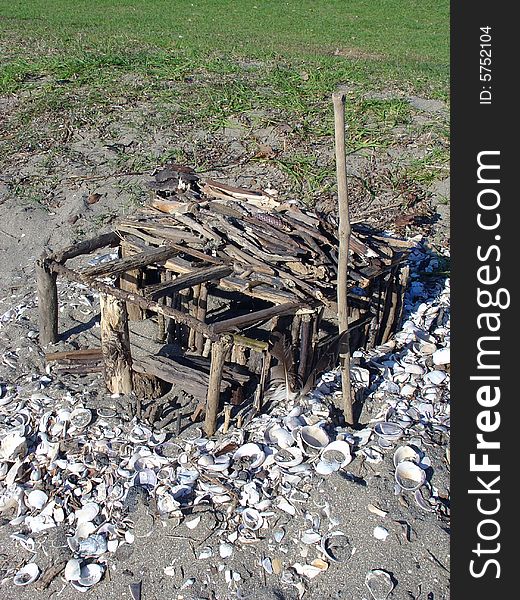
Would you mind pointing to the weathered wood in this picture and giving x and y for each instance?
(193, 311)
(115, 345)
(305, 346)
(130, 263)
(218, 353)
(131, 281)
(192, 279)
(230, 325)
(343, 237)
(104, 288)
(101, 241)
(47, 302)
(259, 392)
(202, 309)
(88, 354)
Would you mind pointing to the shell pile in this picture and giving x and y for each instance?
(63, 464)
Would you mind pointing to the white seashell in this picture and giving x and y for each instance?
(414, 369)
(193, 523)
(252, 519)
(380, 533)
(112, 545)
(324, 467)
(309, 571)
(279, 535)
(389, 431)
(310, 537)
(166, 504)
(280, 436)
(72, 570)
(37, 499)
(220, 464)
(225, 550)
(441, 356)
(409, 476)
(286, 506)
(90, 575)
(408, 390)
(338, 447)
(289, 457)
(206, 552)
(86, 513)
(12, 446)
(314, 438)
(435, 377)
(27, 574)
(94, 545)
(379, 584)
(129, 537)
(405, 453)
(267, 565)
(252, 451)
(145, 478)
(344, 552)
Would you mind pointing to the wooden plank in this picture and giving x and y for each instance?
(188, 280)
(236, 323)
(129, 263)
(115, 345)
(75, 355)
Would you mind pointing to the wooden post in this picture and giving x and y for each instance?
(338, 99)
(259, 393)
(47, 303)
(201, 316)
(115, 345)
(131, 281)
(219, 351)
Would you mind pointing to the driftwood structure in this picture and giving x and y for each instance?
(236, 280)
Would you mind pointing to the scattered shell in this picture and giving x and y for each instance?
(27, 574)
(206, 552)
(251, 451)
(388, 431)
(379, 584)
(336, 546)
(225, 550)
(90, 574)
(380, 533)
(81, 417)
(72, 570)
(193, 523)
(376, 511)
(37, 499)
(252, 519)
(409, 476)
(314, 438)
(441, 357)
(405, 453)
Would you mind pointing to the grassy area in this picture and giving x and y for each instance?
(81, 64)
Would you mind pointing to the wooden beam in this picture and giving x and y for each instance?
(131, 281)
(86, 247)
(47, 302)
(260, 315)
(188, 280)
(344, 230)
(136, 261)
(219, 351)
(115, 345)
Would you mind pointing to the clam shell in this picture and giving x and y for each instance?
(339, 447)
(27, 574)
(252, 519)
(72, 570)
(37, 499)
(225, 550)
(441, 356)
(379, 584)
(388, 431)
(252, 451)
(280, 436)
(338, 551)
(94, 545)
(87, 512)
(380, 533)
(284, 458)
(90, 575)
(409, 476)
(405, 453)
(314, 438)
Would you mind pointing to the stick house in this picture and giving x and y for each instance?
(237, 282)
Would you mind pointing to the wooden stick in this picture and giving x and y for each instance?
(136, 261)
(227, 418)
(218, 353)
(115, 345)
(260, 315)
(338, 99)
(202, 309)
(130, 281)
(47, 302)
(194, 308)
(105, 239)
(259, 392)
(182, 282)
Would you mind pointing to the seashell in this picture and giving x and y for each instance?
(380, 533)
(425, 348)
(27, 574)
(220, 464)
(267, 565)
(72, 570)
(81, 417)
(58, 514)
(84, 529)
(187, 477)
(90, 574)
(293, 422)
(206, 552)
(376, 511)
(405, 453)
(63, 415)
(286, 506)
(289, 457)
(441, 356)
(277, 566)
(310, 537)
(166, 504)
(193, 523)
(129, 537)
(12, 446)
(379, 584)
(435, 377)
(145, 478)
(36, 499)
(252, 519)
(225, 550)
(279, 535)
(94, 545)
(408, 390)
(409, 476)
(112, 545)
(251, 451)
(314, 438)
(88, 512)
(388, 431)
(280, 436)
(338, 551)
(337, 452)
(309, 571)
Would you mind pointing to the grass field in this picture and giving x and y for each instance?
(73, 64)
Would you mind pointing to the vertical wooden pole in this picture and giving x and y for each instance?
(338, 99)
(47, 303)
(201, 316)
(115, 345)
(259, 392)
(131, 281)
(219, 351)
